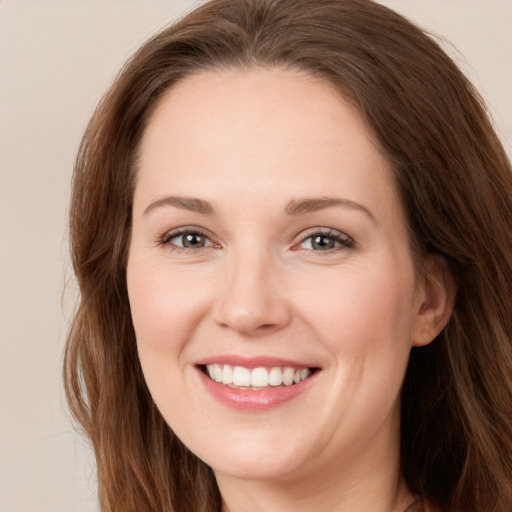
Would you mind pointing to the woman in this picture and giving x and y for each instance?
(291, 226)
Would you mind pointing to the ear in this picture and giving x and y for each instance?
(435, 299)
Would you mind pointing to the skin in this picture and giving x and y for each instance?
(249, 144)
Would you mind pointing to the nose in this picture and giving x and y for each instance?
(251, 300)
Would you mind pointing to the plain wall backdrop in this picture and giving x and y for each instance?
(56, 60)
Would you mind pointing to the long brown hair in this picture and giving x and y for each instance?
(455, 183)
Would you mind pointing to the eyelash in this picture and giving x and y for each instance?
(337, 237)
(165, 240)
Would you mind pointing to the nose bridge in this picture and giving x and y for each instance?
(251, 301)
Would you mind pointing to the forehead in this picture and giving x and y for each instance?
(258, 129)
(254, 103)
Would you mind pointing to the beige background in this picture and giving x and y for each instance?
(56, 59)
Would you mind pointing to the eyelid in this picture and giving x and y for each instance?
(346, 241)
(165, 239)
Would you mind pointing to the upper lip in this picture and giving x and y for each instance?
(252, 362)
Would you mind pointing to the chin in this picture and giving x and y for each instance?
(255, 459)
(259, 468)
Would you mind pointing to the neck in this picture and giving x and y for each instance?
(275, 498)
(371, 481)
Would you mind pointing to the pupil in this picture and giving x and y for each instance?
(323, 242)
(193, 240)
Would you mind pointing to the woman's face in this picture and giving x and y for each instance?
(269, 244)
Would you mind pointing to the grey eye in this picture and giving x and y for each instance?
(191, 240)
(320, 242)
(326, 241)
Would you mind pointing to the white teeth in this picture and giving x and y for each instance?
(259, 378)
(288, 376)
(275, 377)
(227, 374)
(239, 376)
(217, 372)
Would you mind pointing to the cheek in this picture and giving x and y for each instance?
(165, 312)
(364, 322)
(360, 308)
(165, 307)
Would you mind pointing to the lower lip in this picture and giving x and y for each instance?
(254, 400)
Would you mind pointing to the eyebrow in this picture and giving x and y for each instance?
(186, 203)
(309, 205)
(294, 208)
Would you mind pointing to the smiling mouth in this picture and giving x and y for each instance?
(240, 377)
